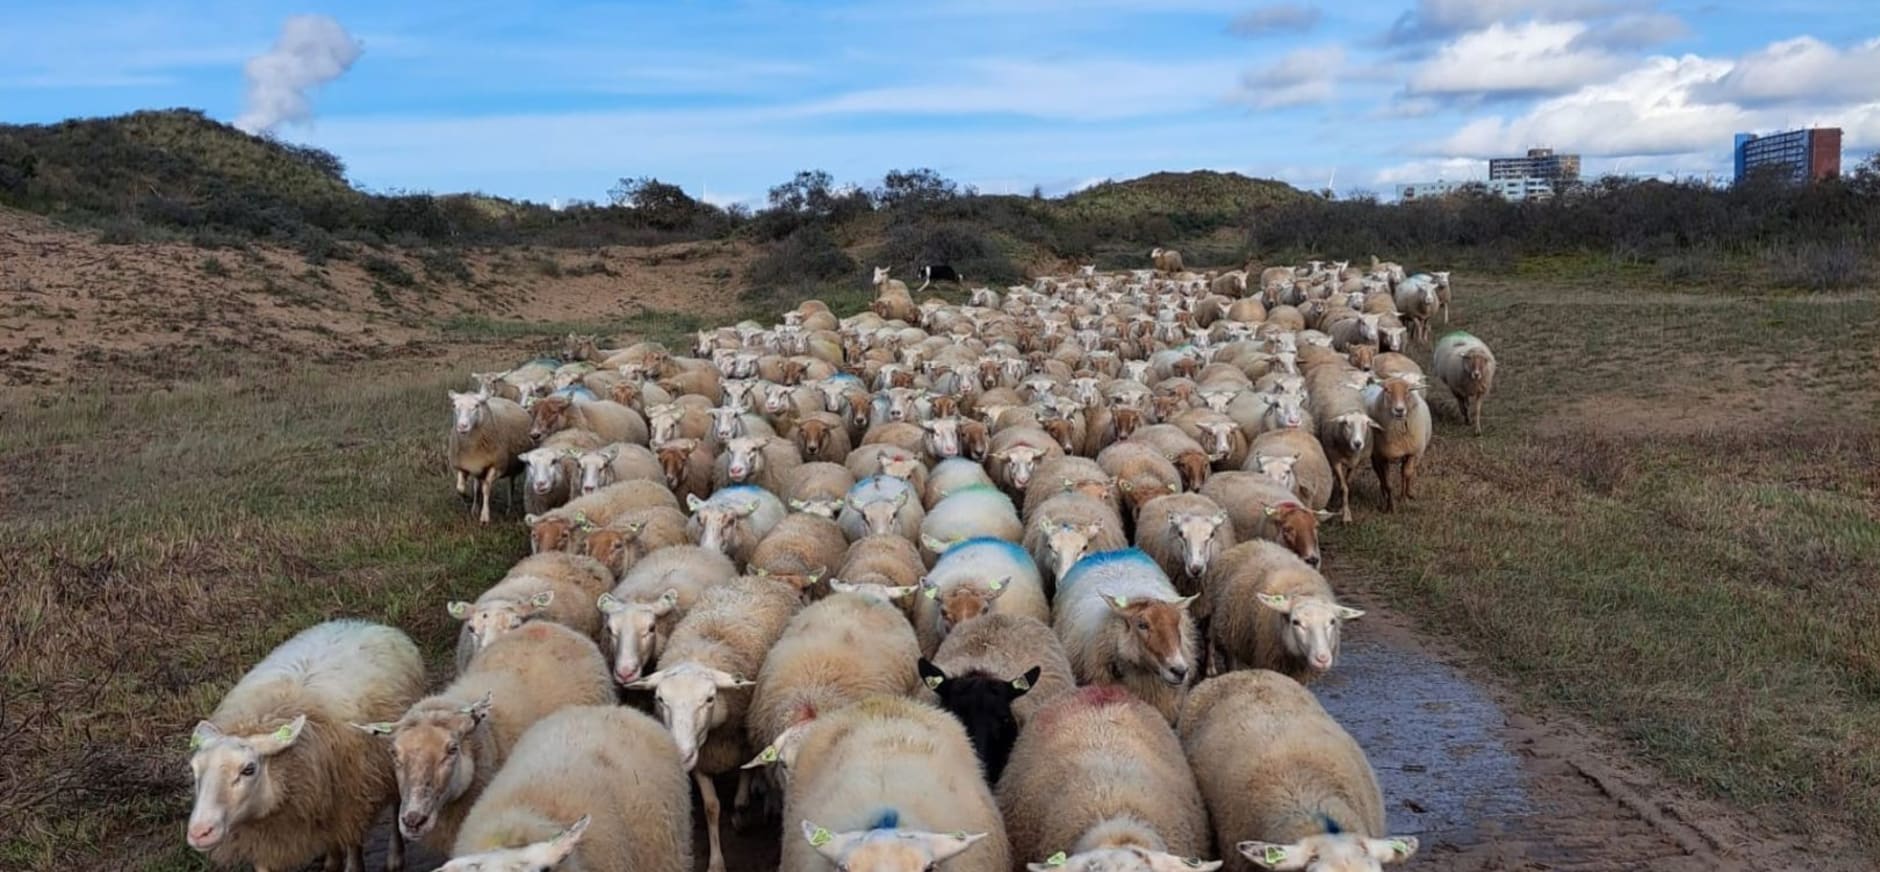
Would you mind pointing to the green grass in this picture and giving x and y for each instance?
(1672, 527)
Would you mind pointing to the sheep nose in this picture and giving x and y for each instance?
(413, 822)
(1180, 673)
(1312, 560)
(202, 835)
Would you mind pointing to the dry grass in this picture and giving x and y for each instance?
(1672, 527)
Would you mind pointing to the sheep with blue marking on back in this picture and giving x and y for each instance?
(1286, 786)
(891, 785)
(1122, 622)
(975, 577)
(980, 511)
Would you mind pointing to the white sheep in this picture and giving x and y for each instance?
(1267, 609)
(552, 586)
(980, 511)
(642, 609)
(761, 461)
(587, 789)
(281, 778)
(882, 504)
(1285, 785)
(1464, 364)
(973, 577)
(891, 784)
(619, 461)
(952, 474)
(1184, 533)
(564, 528)
(734, 520)
(487, 438)
(1122, 622)
(1069, 526)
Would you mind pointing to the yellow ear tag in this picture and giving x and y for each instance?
(284, 733)
(933, 593)
(1400, 846)
(1274, 854)
(1057, 859)
(770, 755)
(195, 742)
(934, 681)
(1020, 683)
(820, 837)
(959, 834)
(1122, 601)
(995, 585)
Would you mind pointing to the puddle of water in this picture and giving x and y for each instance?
(1432, 737)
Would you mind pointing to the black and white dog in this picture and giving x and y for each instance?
(938, 272)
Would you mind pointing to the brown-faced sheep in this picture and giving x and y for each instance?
(686, 466)
(1122, 622)
(1294, 455)
(610, 420)
(563, 529)
(628, 538)
(1403, 421)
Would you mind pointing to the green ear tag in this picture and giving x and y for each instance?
(1193, 862)
(284, 733)
(1020, 683)
(1122, 601)
(934, 681)
(195, 742)
(1400, 846)
(1057, 859)
(820, 837)
(933, 593)
(995, 585)
(960, 834)
(770, 755)
(1274, 854)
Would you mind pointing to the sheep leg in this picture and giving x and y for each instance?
(741, 803)
(395, 851)
(356, 857)
(489, 484)
(708, 795)
(1381, 466)
(1409, 475)
(463, 484)
(1344, 489)
(1475, 414)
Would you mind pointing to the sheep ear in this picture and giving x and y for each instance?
(382, 728)
(542, 600)
(1186, 601)
(1347, 613)
(481, 708)
(900, 594)
(459, 609)
(530, 519)
(931, 675)
(764, 758)
(1271, 856)
(930, 587)
(798, 505)
(692, 502)
(646, 682)
(727, 681)
(204, 733)
(666, 603)
(281, 739)
(1024, 683)
(610, 605)
(1117, 603)
(1277, 602)
(933, 544)
(1323, 515)
(1391, 850)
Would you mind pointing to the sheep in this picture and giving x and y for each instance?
(1099, 778)
(1141, 474)
(1066, 474)
(629, 537)
(890, 561)
(892, 299)
(1467, 367)
(565, 527)
(837, 651)
(487, 438)
(551, 468)
(678, 420)
(554, 586)
(642, 609)
(871, 460)
(974, 577)
(952, 474)
(686, 466)
(1299, 454)
(891, 784)
(1285, 785)
(801, 546)
(819, 488)
(1263, 509)
(821, 436)
(1069, 526)
(993, 673)
(764, 461)
(910, 438)
(1016, 453)
(1191, 461)
(881, 504)
(587, 789)
(1122, 622)
(1416, 303)
(619, 461)
(1390, 364)
(702, 686)
(1345, 428)
(1217, 434)
(609, 420)
(969, 513)
(1403, 421)
(448, 746)
(280, 777)
(732, 421)
(1184, 533)
(734, 520)
(1166, 260)
(1270, 610)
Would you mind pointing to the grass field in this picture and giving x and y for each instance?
(1672, 528)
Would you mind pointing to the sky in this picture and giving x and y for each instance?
(554, 100)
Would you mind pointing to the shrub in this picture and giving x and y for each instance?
(444, 263)
(214, 267)
(1817, 266)
(806, 256)
(960, 244)
(388, 271)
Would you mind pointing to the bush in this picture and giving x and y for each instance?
(443, 263)
(808, 255)
(388, 271)
(959, 244)
(1817, 266)
(213, 267)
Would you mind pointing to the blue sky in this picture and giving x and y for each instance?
(557, 99)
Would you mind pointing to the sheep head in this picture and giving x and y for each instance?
(887, 850)
(234, 782)
(633, 628)
(1156, 635)
(1312, 626)
(1133, 858)
(690, 703)
(943, 436)
(549, 415)
(1197, 535)
(432, 759)
(534, 856)
(488, 620)
(1067, 543)
(545, 468)
(745, 457)
(468, 410)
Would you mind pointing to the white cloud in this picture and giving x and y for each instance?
(1520, 60)
(1439, 19)
(1307, 75)
(1650, 110)
(1275, 18)
(312, 50)
(1803, 69)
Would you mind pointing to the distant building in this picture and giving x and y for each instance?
(1514, 189)
(1540, 163)
(1809, 155)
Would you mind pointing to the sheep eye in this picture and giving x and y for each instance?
(450, 750)
(248, 771)
(1143, 626)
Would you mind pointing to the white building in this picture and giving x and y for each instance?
(1508, 189)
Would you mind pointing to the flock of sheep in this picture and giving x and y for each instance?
(880, 571)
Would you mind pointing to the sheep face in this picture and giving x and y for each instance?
(429, 760)
(613, 546)
(1475, 365)
(745, 457)
(596, 468)
(663, 423)
(673, 454)
(1126, 421)
(715, 522)
(886, 850)
(878, 515)
(1298, 530)
(1218, 401)
(233, 782)
(1362, 356)
(1220, 441)
(1279, 470)
(549, 415)
(545, 468)
(1068, 542)
(550, 533)
(943, 436)
(881, 275)
(1342, 852)
(1312, 626)
(487, 621)
(469, 410)
(983, 704)
(687, 696)
(633, 628)
(1395, 398)
(873, 590)
(832, 391)
(1129, 859)
(728, 421)
(1063, 432)
(1155, 635)
(1391, 338)
(1283, 412)
(529, 858)
(776, 398)
(812, 437)
(963, 603)
(1196, 533)
(1020, 463)
(1351, 432)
